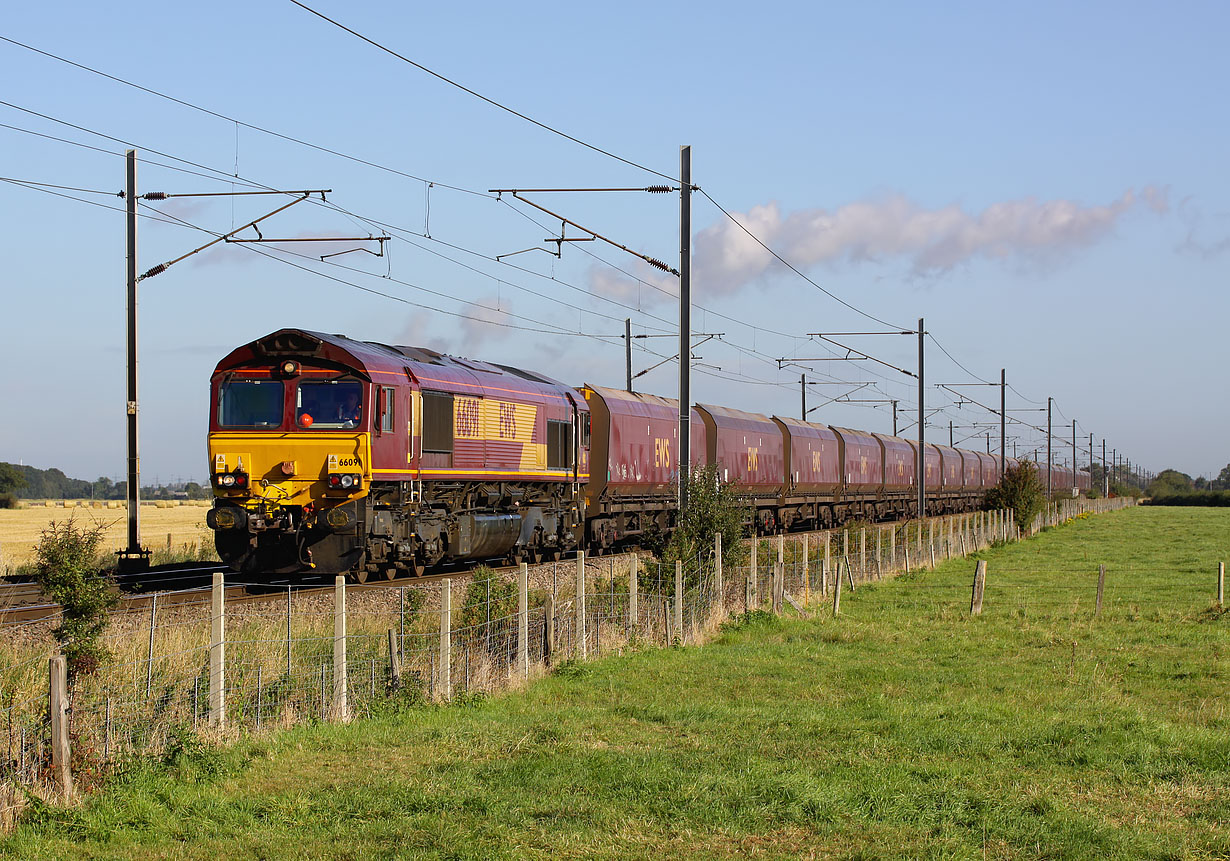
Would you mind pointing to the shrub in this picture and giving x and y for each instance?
(65, 570)
(8, 500)
(490, 607)
(712, 508)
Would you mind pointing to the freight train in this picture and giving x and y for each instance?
(331, 455)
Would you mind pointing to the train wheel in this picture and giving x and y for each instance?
(359, 576)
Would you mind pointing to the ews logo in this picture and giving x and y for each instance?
(753, 459)
(662, 453)
(467, 417)
(508, 421)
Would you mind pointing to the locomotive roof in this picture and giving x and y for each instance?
(371, 356)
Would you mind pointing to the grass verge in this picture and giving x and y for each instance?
(904, 728)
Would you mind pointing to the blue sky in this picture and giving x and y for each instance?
(1044, 184)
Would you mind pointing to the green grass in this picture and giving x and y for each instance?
(902, 729)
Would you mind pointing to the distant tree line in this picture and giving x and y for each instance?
(28, 482)
(1171, 487)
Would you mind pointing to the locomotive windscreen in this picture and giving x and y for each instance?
(250, 404)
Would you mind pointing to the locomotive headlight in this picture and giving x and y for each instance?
(347, 481)
(227, 480)
(289, 369)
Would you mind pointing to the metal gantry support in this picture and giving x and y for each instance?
(685, 323)
(1003, 422)
(134, 556)
(922, 424)
(1048, 447)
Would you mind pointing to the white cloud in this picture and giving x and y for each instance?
(933, 241)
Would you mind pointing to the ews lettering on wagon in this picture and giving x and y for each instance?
(662, 453)
(753, 460)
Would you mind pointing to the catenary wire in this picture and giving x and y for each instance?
(239, 122)
(478, 95)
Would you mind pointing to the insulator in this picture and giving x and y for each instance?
(155, 195)
(157, 270)
(659, 189)
(658, 263)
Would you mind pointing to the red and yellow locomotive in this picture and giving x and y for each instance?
(347, 456)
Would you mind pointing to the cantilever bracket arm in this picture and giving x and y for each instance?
(652, 261)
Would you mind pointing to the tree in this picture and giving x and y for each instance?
(10, 478)
(1222, 482)
(1170, 481)
(65, 569)
(1020, 490)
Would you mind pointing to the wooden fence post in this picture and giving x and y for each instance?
(837, 591)
(61, 756)
(446, 639)
(827, 545)
(1221, 584)
(824, 577)
(217, 652)
(775, 581)
(980, 582)
(753, 585)
(1097, 610)
(862, 552)
(341, 690)
(634, 610)
(679, 601)
(717, 569)
(781, 548)
(806, 570)
(582, 651)
(523, 620)
(394, 661)
(876, 553)
(548, 631)
(149, 665)
(892, 547)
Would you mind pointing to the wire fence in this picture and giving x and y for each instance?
(199, 663)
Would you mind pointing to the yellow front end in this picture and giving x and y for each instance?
(291, 469)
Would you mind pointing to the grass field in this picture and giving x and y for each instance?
(902, 729)
(20, 527)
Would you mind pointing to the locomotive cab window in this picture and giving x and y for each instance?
(329, 404)
(559, 445)
(437, 422)
(584, 430)
(250, 404)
